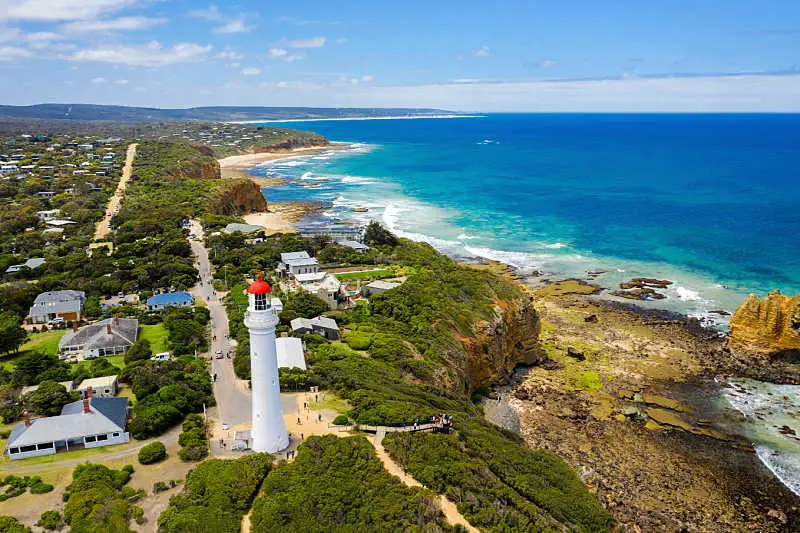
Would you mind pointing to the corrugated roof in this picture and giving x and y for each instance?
(96, 383)
(124, 332)
(290, 353)
(72, 424)
(115, 409)
(301, 261)
(288, 256)
(170, 298)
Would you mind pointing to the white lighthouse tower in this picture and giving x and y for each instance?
(269, 430)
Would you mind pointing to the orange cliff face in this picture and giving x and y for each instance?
(769, 325)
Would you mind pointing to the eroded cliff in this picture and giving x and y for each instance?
(769, 325)
(289, 145)
(498, 345)
(238, 197)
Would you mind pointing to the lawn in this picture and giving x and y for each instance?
(366, 274)
(157, 335)
(46, 342)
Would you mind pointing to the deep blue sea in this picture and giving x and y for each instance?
(711, 202)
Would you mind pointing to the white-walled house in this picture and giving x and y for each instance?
(87, 423)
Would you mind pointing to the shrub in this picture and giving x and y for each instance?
(9, 524)
(41, 488)
(300, 496)
(341, 420)
(51, 520)
(98, 500)
(193, 440)
(358, 341)
(152, 453)
(159, 486)
(233, 485)
(194, 452)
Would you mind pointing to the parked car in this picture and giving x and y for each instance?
(56, 321)
(218, 354)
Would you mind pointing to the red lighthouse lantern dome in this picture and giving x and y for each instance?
(259, 287)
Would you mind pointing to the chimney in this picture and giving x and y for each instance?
(108, 328)
(27, 418)
(75, 326)
(86, 409)
(89, 392)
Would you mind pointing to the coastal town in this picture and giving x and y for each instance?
(145, 276)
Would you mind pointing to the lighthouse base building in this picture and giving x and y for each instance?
(269, 430)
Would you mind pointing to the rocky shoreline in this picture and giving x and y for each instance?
(623, 396)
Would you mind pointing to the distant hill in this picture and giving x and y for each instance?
(84, 112)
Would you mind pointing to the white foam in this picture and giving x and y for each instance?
(688, 295)
(556, 246)
(391, 215)
(465, 237)
(284, 163)
(785, 466)
(357, 180)
(306, 176)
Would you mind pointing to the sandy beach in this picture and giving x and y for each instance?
(235, 165)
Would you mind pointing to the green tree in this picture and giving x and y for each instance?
(12, 335)
(152, 453)
(33, 367)
(140, 351)
(376, 235)
(9, 524)
(51, 520)
(92, 306)
(48, 399)
(302, 304)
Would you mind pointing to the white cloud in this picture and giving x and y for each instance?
(341, 40)
(732, 93)
(212, 12)
(118, 24)
(314, 42)
(367, 79)
(9, 34)
(483, 51)
(151, 54)
(251, 71)
(234, 26)
(42, 36)
(547, 63)
(121, 82)
(284, 55)
(10, 53)
(229, 53)
(98, 80)
(230, 24)
(297, 85)
(41, 39)
(64, 9)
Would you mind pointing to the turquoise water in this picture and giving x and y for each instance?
(710, 202)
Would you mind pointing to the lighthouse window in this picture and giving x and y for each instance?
(260, 302)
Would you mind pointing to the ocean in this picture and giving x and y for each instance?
(710, 202)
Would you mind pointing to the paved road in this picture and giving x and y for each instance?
(233, 397)
(102, 227)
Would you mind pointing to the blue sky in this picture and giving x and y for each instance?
(507, 55)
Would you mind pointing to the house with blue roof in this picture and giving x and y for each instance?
(169, 299)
